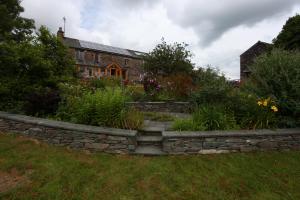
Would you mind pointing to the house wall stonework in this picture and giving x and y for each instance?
(99, 61)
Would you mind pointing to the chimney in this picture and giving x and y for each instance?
(60, 33)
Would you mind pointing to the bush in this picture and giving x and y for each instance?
(178, 86)
(42, 102)
(151, 87)
(136, 92)
(207, 118)
(261, 116)
(101, 108)
(277, 75)
(214, 118)
(213, 88)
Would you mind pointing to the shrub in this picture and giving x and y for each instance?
(277, 75)
(133, 120)
(102, 108)
(213, 88)
(151, 87)
(178, 86)
(207, 118)
(262, 116)
(187, 125)
(136, 92)
(42, 102)
(214, 118)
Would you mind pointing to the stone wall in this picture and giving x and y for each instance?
(70, 135)
(177, 107)
(230, 141)
(98, 139)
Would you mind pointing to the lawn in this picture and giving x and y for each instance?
(46, 172)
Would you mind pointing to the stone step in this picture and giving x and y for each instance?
(149, 150)
(150, 132)
(149, 140)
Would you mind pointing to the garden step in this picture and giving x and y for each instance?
(149, 150)
(149, 140)
(150, 132)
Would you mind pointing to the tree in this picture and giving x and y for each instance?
(12, 26)
(34, 73)
(289, 37)
(168, 59)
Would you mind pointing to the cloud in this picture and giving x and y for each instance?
(212, 19)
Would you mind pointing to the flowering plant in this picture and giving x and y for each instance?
(262, 116)
(151, 86)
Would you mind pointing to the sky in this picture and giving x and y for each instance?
(217, 31)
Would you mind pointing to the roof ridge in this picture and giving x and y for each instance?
(104, 44)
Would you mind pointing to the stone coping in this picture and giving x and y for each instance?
(67, 125)
(237, 133)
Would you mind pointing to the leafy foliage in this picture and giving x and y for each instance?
(166, 59)
(212, 88)
(207, 118)
(178, 86)
(277, 75)
(12, 25)
(289, 37)
(44, 64)
(101, 108)
(261, 116)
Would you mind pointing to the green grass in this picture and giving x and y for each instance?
(59, 173)
(161, 117)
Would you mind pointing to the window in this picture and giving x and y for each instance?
(90, 72)
(80, 55)
(81, 69)
(97, 58)
(126, 62)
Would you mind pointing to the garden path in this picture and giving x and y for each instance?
(150, 139)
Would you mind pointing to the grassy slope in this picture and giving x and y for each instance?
(64, 174)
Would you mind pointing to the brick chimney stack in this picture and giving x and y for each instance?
(60, 33)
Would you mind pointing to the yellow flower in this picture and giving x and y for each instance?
(259, 103)
(274, 108)
(265, 102)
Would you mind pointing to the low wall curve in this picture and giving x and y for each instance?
(72, 135)
(110, 140)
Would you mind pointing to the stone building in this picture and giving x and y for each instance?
(95, 60)
(248, 57)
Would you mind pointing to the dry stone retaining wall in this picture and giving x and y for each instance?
(230, 141)
(125, 141)
(71, 135)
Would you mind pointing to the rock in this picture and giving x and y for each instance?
(97, 146)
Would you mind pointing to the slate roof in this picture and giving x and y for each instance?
(256, 46)
(81, 44)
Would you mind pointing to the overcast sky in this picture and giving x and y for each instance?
(217, 31)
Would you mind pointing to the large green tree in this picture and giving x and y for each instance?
(166, 59)
(12, 25)
(31, 65)
(289, 37)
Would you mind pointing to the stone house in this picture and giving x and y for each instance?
(248, 57)
(95, 60)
